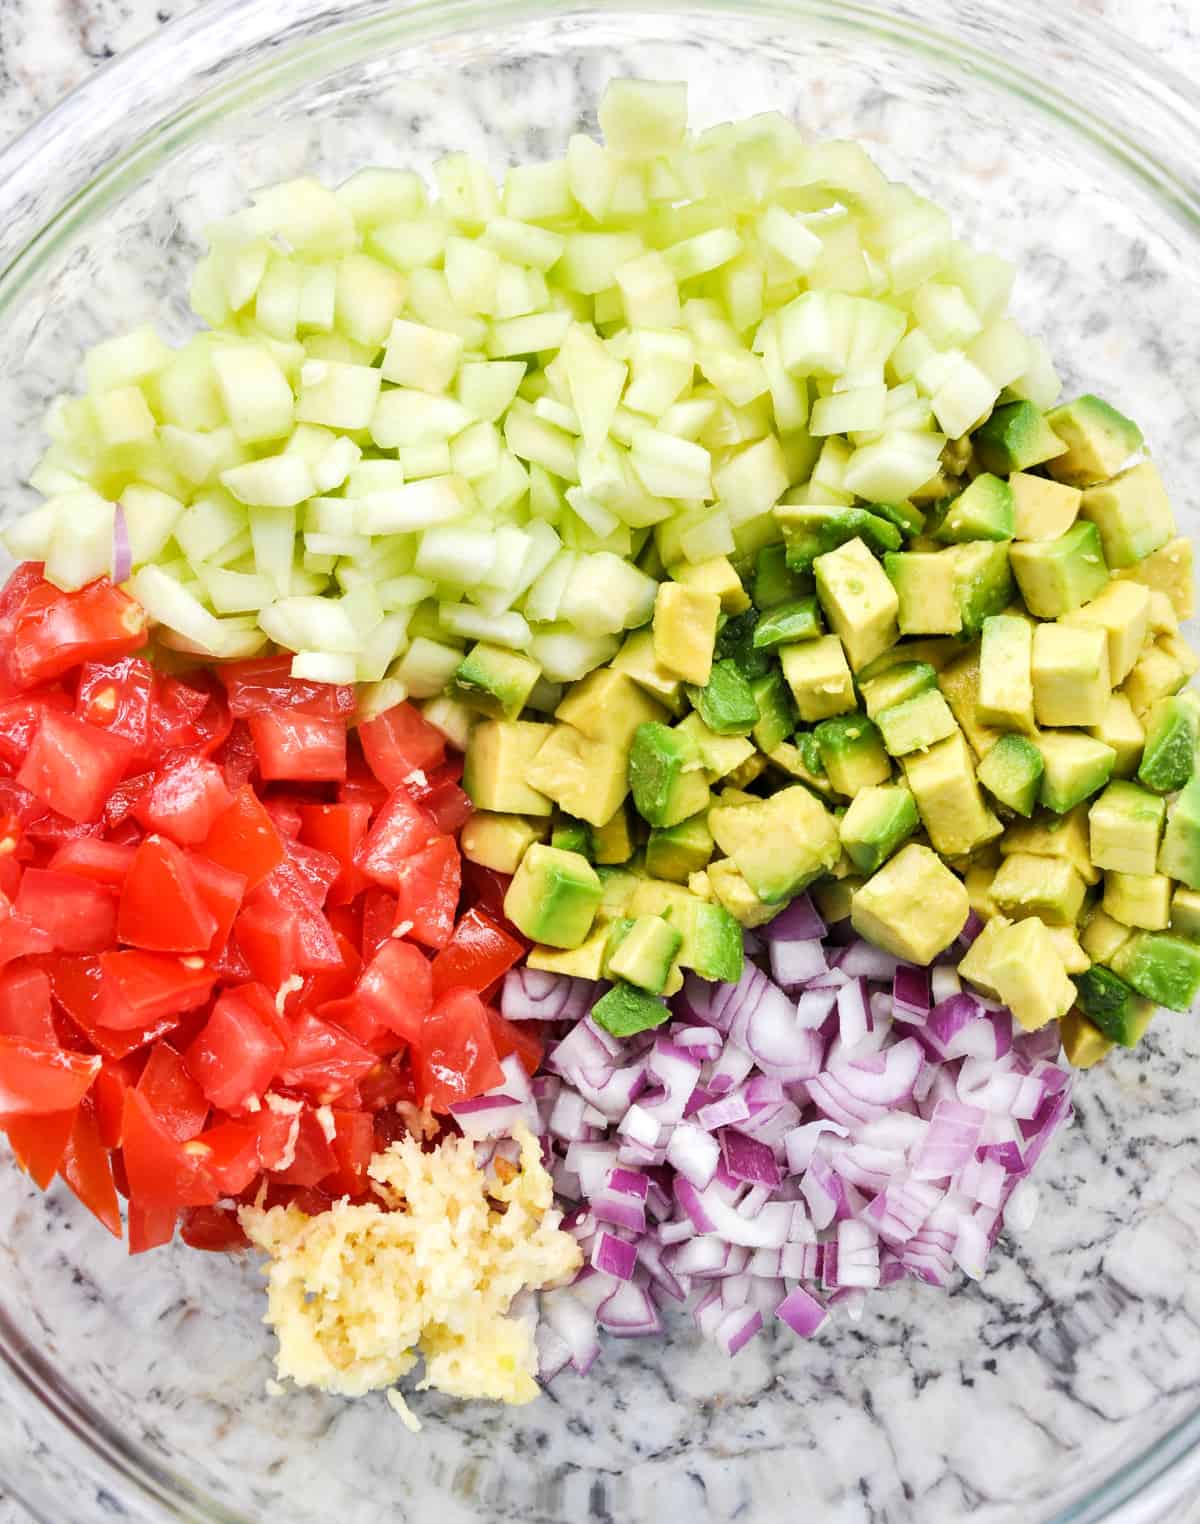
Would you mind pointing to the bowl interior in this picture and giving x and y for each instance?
(1018, 1399)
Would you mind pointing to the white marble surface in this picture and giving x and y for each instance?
(49, 46)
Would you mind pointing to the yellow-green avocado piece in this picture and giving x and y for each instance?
(779, 844)
(914, 907)
(554, 896)
(495, 774)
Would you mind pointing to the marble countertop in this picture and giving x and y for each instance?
(47, 47)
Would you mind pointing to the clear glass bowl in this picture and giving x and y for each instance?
(1067, 1386)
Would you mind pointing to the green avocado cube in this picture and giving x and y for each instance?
(819, 677)
(1185, 914)
(726, 702)
(1169, 753)
(810, 756)
(811, 531)
(608, 705)
(1075, 767)
(908, 520)
(685, 630)
(554, 896)
(719, 755)
(983, 511)
(585, 778)
(878, 822)
(571, 835)
(1046, 887)
(495, 681)
(735, 643)
(1124, 827)
(913, 907)
(1071, 683)
(645, 953)
(926, 584)
(625, 1011)
(499, 841)
(852, 753)
(1099, 440)
(799, 619)
(1164, 968)
(1157, 674)
(499, 755)
(903, 681)
(780, 844)
(1056, 576)
(983, 582)
(1132, 513)
(774, 580)
(1180, 853)
(666, 776)
(1121, 729)
(1006, 687)
(1083, 1042)
(1012, 773)
(612, 843)
(859, 601)
(1110, 1004)
(916, 723)
(1042, 510)
(1014, 438)
(713, 939)
(637, 660)
(959, 684)
(777, 713)
(1138, 899)
(943, 783)
(1027, 971)
(1122, 611)
(676, 852)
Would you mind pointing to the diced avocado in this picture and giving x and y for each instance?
(943, 784)
(916, 723)
(1042, 510)
(852, 753)
(1071, 683)
(959, 683)
(499, 756)
(1099, 440)
(717, 576)
(625, 1011)
(809, 531)
(719, 755)
(1169, 571)
(495, 681)
(1051, 835)
(736, 895)
(1138, 899)
(877, 823)
(984, 511)
(797, 763)
(1076, 767)
(726, 702)
(553, 897)
(571, 835)
(1180, 854)
(1083, 1043)
(1169, 754)
(1028, 973)
(810, 755)
(1122, 611)
(678, 851)
(735, 642)
(585, 778)
(608, 705)
(1132, 513)
(926, 584)
(583, 962)
(685, 630)
(1014, 438)
(983, 582)
(1125, 825)
(1164, 968)
(774, 580)
(777, 713)
(619, 886)
(859, 601)
(644, 953)
(1074, 959)
(712, 940)
(1012, 773)
(499, 841)
(1121, 729)
(798, 619)
(904, 681)
(1156, 675)
(612, 842)
(1056, 576)
(1006, 673)
(666, 775)
(745, 773)
(833, 898)
(779, 844)
(976, 966)
(1174, 646)
(636, 658)
(817, 673)
(1185, 914)
(907, 519)
(1046, 887)
(978, 879)
(1112, 1006)
(1103, 937)
(1162, 619)
(913, 907)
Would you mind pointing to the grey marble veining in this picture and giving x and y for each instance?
(1086, 1324)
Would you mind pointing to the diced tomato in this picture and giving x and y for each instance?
(190, 717)
(79, 987)
(427, 891)
(124, 799)
(299, 747)
(267, 683)
(212, 1229)
(148, 987)
(104, 862)
(285, 815)
(399, 830)
(230, 964)
(399, 742)
(233, 1155)
(286, 895)
(25, 1004)
(40, 1142)
(185, 800)
(236, 757)
(36, 1079)
(54, 631)
(378, 921)
(397, 987)
(353, 1146)
(74, 767)
(162, 1171)
(276, 1129)
(338, 829)
(10, 873)
(520, 1038)
(313, 1157)
(456, 1058)
(77, 914)
(244, 839)
(25, 577)
(269, 945)
(175, 1098)
(448, 807)
(486, 888)
(388, 1082)
(86, 1170)
(318, 869)
(162, 907)
(361, 785)
(323, 1060)
(19, 720)
(476, 955)
(223, 891)
(149, 1226)
(238, 1053)
(117, 1075)
(19, 937)
(118, 696)
(333, 983)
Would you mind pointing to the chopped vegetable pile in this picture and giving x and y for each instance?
(808, 659)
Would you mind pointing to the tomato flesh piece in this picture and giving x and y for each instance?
(161, 1170)
(238, 1052)
(479, 953)
(296, 747)
(400, 742)
(37, 1079)
(118, 696)
(185, 800)
(456, 1058)
(398, 830)
(244, 839)
(267, 683)
(87, 1171)
(54, 631)
(428, 885)
(40, 1143)
(74, 767)
(396, 987)
(313, 1157)
(104, 862)
(162, 908)
(148, 987)
(323, 1060)
(25, 1004)
(212, 1229)
(337, 829)
(175, 1098)
(77, 914)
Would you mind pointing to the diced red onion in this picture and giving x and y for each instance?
(798, 923)
(747, 1159)
(694, 1153)
(531, 994)
(614, 1256)
(796, 963)
(737, 1328)
(854, 1013)
(733, 1066)
(973, 926)
(944, 982)
(629, 1313)
(911, 998)
(122, 555)
(802, 1313)
(638, 1126)
(950, 1143)
(703, 1042)
(863, 960)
